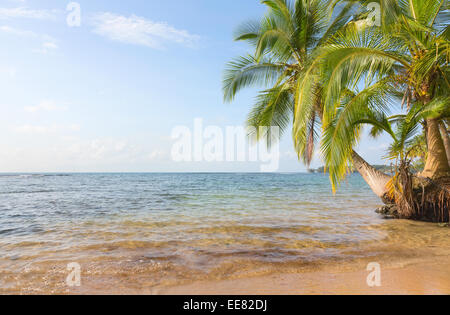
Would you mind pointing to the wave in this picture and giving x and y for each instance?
(24, 176)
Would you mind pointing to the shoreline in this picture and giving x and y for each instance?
(410, 277)
(414, 259)
(425, 271)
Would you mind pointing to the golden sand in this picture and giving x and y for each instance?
(412, 278)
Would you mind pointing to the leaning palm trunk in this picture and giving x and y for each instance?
(446, 139)
(419, 198)
(437, 165)
(376, 179)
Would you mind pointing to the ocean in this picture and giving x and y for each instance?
(137, 230)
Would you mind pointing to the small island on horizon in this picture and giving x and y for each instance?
(382, 168)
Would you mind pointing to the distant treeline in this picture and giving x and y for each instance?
(382, 168)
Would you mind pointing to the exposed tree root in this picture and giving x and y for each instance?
(432, 200)
(420, 199)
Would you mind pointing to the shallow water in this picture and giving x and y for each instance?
(145, 230)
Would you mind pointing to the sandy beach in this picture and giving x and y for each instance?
(414, 259)
(419, 266)
(412, 278)
(406, 276)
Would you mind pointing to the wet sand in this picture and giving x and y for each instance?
(419, 266)
(411, 278)
(414, 258)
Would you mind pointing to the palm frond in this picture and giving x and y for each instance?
(244, 72)
(273, 108)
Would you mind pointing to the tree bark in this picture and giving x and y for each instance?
(376, 179)
(446, 139)
(437, 165)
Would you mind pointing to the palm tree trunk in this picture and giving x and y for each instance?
(446, 139)
(437, 165)
(376, 179)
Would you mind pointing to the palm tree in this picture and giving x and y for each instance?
(446, 137)
(406, 58)
(340, 135)
(403, 130)
(285, 43)
(418, 152)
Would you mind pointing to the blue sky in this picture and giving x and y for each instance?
(105, 96)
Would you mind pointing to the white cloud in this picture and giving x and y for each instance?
(158, 155)
(109, 150)
(17, 32)
(102, 149)
(40, 129)
(48, 43)
(24, 12)
(140, 31)
(70, 152)
(46, 48)
(45, 105)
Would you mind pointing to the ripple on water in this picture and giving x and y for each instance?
(167, 228)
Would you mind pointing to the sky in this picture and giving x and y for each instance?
(106, 95)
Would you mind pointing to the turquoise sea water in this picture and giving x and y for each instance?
(175, 226)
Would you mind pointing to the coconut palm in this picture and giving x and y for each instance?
(418, 152)
(406, 58)
(403, 130)
(284, 44)
(446, 138)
